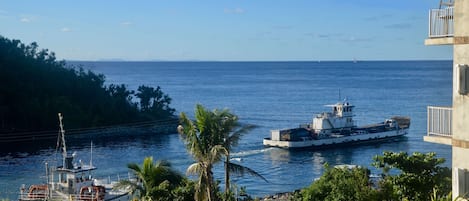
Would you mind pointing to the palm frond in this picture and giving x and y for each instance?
(234, 138)
(132, 186)
(187, 126)
(147, 165)
(194, 169)
(217, 152)
(162, 172)
(163, 163)
(189, 135)
(242, 170)
(202, 117)
(134, 167)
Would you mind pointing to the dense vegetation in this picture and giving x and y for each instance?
(35, 87)
(158, 182)
(341, 183)
(418, 177)
(209, 140)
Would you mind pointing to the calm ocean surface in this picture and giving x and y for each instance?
(271, 95)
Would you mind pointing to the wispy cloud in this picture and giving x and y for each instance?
(234, 11)
(324, 35)
(126, 23)
(353, 39)
(25, 20)
(65, 29)
(399, 26)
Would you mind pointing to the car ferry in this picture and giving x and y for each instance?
(336, 128)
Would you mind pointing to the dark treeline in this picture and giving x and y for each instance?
(35, 87)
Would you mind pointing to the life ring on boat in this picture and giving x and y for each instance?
(92, 193)
(38, 191)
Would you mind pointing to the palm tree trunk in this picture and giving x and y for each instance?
(227, 175)
(211, 195)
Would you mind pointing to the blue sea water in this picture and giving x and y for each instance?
(270, 95)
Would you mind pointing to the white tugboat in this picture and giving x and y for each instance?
(72, 181)
(336, 128)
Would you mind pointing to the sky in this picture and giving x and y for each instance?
(224, 30)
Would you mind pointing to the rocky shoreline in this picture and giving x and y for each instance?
(285, 196)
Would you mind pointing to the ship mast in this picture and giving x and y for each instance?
(62, 135)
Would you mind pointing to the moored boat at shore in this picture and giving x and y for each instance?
(336, 128)
(72, 181)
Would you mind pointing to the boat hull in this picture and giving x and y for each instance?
(335, 141)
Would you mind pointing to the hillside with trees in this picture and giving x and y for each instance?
(35, 86)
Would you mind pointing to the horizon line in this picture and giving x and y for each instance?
(316, 61)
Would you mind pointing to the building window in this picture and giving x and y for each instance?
(463, 87)
(462, 176)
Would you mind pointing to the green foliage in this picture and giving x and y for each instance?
(437, 197)
(201, 140)
(35, 87)
(235, 194)
(414, 177)
(340, 184)
(208, 139)
(154, 102)
(184, 192)
(156, 181)
(420, 174)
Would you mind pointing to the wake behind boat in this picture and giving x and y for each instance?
(336, 128)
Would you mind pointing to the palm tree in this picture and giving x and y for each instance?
(209, 138)
(149, 177)
(232, 131)
(201, 143)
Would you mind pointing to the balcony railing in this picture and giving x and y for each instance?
(439, 121)
(441, 23)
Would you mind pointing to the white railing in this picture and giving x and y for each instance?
(441, 23)
(439, 121)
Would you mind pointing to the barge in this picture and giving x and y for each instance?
(337, 128)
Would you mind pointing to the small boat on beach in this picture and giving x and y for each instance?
(336, 128)
(72, 181)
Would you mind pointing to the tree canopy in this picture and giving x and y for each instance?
(210, 137)
(420, 174)
(414, 177)
(341, 183)
(157, 181)
(35, 86)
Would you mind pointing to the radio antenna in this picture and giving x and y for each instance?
(340, 98)
(91, 157)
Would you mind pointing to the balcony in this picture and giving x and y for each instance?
(440, 26)
(439, 121)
